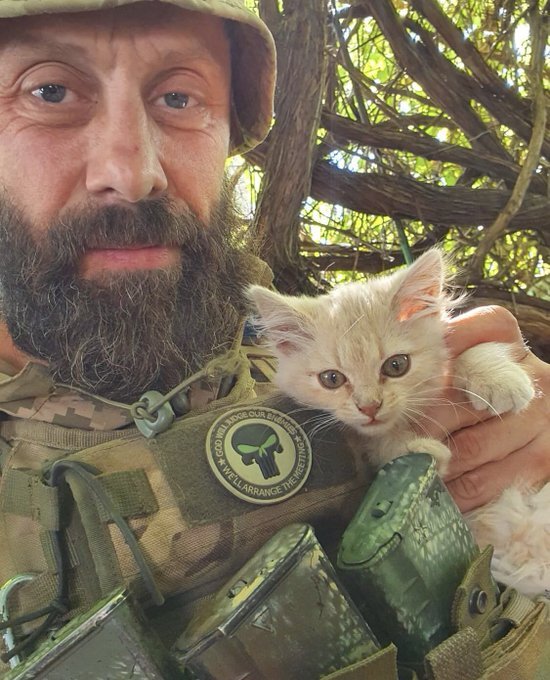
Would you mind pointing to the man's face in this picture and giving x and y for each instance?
(114, 130)
(113, 107)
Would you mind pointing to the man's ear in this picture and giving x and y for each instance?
(287, 329)
(420, 289)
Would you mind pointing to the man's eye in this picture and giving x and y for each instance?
(51, 93)
(176, 100)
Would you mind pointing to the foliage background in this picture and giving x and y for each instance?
(404, 123)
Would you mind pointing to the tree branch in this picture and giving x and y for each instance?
(404, 197)
(287, 177)
(439, 79)
(539, 40)
(379, 136)
(499, 99)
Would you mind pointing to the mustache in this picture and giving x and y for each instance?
(150, 223)
(154, 222)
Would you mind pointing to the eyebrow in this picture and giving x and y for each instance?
(60, 51)
(47, 47)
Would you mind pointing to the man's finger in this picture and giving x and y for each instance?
(454, 411)
(483, 324)
(482, 485)
(491, 440)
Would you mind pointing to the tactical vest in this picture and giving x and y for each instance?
(196, 521)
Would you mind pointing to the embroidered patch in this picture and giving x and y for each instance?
(259, 454)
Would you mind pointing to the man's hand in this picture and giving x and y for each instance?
(491, 453)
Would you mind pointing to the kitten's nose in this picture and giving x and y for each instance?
(370, 409)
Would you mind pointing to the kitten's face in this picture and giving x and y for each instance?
(371, 354)
(370, 371)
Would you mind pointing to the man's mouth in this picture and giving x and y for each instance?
(128, 258)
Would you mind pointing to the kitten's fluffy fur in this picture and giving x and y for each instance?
(346, 336)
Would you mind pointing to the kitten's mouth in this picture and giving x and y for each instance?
(373, 423)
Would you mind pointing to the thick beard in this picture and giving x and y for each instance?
(129, 332)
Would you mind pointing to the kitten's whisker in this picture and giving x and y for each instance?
(439, 401)
(319, 416)
(330, 421)
(434, 376)
(490, 407)
(352, 325)
(455, 404)
(418, 423)
(443, 429)
(318, 421)
(429, 401)
(301, 409)
(322, 417)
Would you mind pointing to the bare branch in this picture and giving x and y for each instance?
(539, 41)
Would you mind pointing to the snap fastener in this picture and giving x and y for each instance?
(478, 601)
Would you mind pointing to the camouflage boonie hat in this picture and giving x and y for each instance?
(253, 55)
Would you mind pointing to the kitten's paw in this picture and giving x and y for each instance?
(435, 448)
(492, 380)
(512, 394)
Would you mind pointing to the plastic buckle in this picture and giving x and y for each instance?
(155, 424)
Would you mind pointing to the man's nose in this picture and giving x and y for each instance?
(124, 160)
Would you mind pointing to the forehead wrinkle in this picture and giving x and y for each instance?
(52, 48)
(193, 53)
(46, 48)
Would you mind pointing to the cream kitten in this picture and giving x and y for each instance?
(373, 355)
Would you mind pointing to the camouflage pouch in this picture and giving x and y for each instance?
(404, 555)
(504, 638)
(283, 615)
(109, 641)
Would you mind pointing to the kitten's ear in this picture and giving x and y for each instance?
(420, 291)
(287, 329)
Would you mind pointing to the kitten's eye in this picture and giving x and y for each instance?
(396, 366)
(332, 379)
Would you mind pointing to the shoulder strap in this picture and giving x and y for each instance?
(56, 436)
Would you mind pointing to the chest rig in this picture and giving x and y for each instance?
(175, 513)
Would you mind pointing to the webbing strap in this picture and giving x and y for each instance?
(25, 494)
(524, 653)
(5, 450)
(457, 658)
(57, 437)
(130, 493)
(48, 549)
(101, 548)
(477, 583)
(519, 648)
(382, 666)
(516, 607)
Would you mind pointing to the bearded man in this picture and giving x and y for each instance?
(122, 268)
